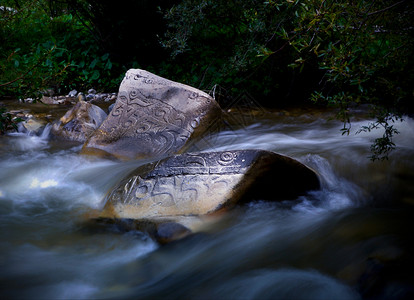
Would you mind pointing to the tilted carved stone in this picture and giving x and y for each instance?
(80, 122)
(202, 183)
(152, 117)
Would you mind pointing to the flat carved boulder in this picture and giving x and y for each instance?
(79, 123)
(203, 183)
(152, 117)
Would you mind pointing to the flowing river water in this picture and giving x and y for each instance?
(350, 240)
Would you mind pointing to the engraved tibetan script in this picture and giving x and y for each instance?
(153, 116)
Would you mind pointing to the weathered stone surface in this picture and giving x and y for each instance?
(79, 122)
(202, 183)
(152, 117)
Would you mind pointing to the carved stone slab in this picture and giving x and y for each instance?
(152, 117)
(79, 123)
(202, 183)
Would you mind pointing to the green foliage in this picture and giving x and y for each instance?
(7, 122)
(364, 50)
(43, 46)
(335, 52)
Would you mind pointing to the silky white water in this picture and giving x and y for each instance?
(350, 240)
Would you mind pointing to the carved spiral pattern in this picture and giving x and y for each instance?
(226, 158)
(133, 94)
(193, 95)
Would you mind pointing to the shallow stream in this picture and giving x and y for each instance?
(350, 240)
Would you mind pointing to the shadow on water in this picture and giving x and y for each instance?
(350, 240)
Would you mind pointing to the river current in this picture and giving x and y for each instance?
(350, 240)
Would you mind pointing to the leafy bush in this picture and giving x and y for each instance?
(45, 47)
(336, 52)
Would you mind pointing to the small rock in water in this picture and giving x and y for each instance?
(79, 122)
(33, 125)
(91, 91)
(90, 97)
(170, 231)
(73, 93)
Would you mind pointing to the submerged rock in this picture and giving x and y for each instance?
(79, 122)
(203, 183)
(152, 117)
(160, 230)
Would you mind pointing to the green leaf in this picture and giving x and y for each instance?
(108, 65)
(93, 63)
(95, 75)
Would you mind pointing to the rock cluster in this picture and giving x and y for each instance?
(157, 118)
(74, 96)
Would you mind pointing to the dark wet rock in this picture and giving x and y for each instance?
(152, 117)
(203, 183)
(58, 100)
(162, 231)
(79, 122)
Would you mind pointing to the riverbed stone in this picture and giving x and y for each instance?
(204, 183)
(163, 231)
(33, 124)
(152, 117)
(79, 122)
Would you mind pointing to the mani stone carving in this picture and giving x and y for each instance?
(79, 123)
(152, 117)
(202, 183)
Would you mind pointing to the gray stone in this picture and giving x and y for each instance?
(79, 122)
(33, 125)
(73, 93)
(90, 97)
(152, 117)
(49, 92)
(194, 184)
(91, 91)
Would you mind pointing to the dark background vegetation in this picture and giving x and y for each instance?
(281, 53)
